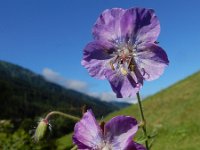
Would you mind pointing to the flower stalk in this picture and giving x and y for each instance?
(144, 129)
(61, 114)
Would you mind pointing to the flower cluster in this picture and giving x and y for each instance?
(125, 50)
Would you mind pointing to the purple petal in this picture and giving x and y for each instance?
(135, 146)
(140, 25)
(151, 61)
(96, 57)
(124, 85)
(107, 26)
(119, 131)
(87, 132)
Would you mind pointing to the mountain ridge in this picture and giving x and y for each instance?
(25, 97)
(20, 77)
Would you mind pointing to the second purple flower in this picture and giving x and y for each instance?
(116, 134)
(124, 49)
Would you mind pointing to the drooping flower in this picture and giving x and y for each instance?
(41, 130)
(117, 134)
(125, 50)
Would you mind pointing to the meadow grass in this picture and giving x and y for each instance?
(173, 114)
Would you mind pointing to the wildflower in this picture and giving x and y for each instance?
(125, 50)
(117, 134)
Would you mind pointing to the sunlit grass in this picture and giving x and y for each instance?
(65, 142)
(173, 113)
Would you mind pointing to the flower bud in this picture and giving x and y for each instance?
(41, 130)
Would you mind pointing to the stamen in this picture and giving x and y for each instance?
(124, 60)
(132, 67)
(112, 66)
(129, 61)
(123, 71)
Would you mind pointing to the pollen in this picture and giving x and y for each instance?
(123, 71)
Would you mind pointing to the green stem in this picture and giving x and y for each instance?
(143, 120)
(61, 114)
(74, 148)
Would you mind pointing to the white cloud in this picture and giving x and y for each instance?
(55, 77)
(110, 96)
(81, 86)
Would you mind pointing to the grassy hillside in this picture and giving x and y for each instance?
(174, 113)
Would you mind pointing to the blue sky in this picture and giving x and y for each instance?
(48, 37)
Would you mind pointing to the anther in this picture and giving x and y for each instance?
(123, 71)
(132, 67)
(112, 66)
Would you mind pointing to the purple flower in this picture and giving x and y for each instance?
(125, 50)
(117, 134)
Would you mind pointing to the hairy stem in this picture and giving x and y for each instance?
(143, 120)
(61, 114)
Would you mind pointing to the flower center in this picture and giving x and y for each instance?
(106, 148)
(123, 53)
(123, 60)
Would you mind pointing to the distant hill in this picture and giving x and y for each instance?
(120, 104)
(26, 95)
(174, 113)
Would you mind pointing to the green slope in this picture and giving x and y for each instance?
(174, 113)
